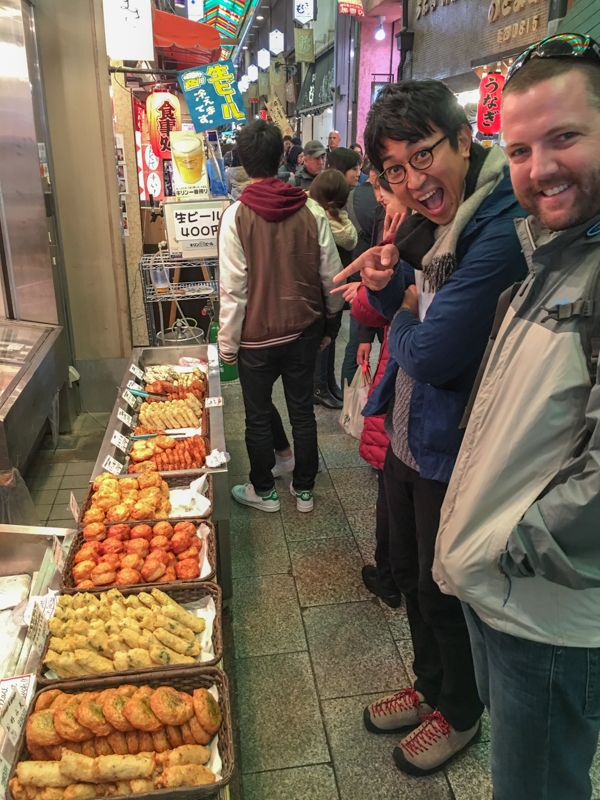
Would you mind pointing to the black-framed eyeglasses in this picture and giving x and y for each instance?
(420, 160)
(564, 45)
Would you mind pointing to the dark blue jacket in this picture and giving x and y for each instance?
(443, 352)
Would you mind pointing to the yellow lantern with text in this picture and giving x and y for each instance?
(164, 116)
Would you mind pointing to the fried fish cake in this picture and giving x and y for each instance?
(174, 735)
(88, 748)
(41, 730)
(38, 753)
(89, 714)
(145, 742)
(128, 689)
(76, 747)
(102, 746)
(46, 699)
(118, 742)
(133, 743)
(207, 711)
(200, 735)
(186, 734)
(172, 707)
(67, 724)
(138, 711)
(160, 741)
(112, 708)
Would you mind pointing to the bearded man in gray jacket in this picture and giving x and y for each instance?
(519, 540)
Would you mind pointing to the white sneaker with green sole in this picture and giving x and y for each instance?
(304, 500)
(244, 493)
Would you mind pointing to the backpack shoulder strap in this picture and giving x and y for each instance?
(504, 302)
(589, 328)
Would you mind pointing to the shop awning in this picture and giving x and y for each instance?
(316, 94)
(187, 42)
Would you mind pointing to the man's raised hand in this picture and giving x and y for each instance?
(376, 268)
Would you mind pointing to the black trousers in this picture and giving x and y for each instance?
(443, 661)
(258, 370)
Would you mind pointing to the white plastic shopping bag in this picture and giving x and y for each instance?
(355, 398)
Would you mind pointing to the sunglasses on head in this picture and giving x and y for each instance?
(564, 45)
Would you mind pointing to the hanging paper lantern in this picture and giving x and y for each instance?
(164, 116)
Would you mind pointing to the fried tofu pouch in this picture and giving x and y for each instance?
(185, 775)
(42, 774)
(122, 768)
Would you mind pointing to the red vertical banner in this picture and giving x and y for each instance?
(164, 116)
(489, 117)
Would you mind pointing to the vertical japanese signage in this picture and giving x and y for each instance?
(164, 116)
(304, 10)
(489, 119)
(128, 30)
(212, 95)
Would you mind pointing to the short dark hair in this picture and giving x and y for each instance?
(343, 159)
(235, 158)
(354, 145)
(537, 70)
(406, 111)
(330, 190)
(260, 146)
(287, 138)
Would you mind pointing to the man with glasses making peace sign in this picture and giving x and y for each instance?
(462, 245)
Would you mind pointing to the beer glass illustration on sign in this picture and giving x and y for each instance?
(188, 154)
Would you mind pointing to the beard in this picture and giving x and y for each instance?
(585, 205)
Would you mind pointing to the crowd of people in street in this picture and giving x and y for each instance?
(479, 270)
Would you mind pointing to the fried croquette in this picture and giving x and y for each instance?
(46, 699)
(118, 743)
(160, 741)
(138, 711)
(184, 775)
(186, 734)
(200, 735)
(112, 708)
(102, 746)
(89, 714)
(186, 754)
(172, 707)
(133, 743)
(67, 724)
(40, 729)
(174, 735)
(207, 710)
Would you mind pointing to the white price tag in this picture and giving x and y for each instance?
(133, 385)
(4, 773)
(111, 464)
(124, 417)
(47, 602)
(38, 629)
(129, 399)
(120, 441)
(13, 716)
(212, 402)
(137, 372)
(74, 506)
(58, 553)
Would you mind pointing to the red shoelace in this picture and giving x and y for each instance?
(432, 728)
(405, 698)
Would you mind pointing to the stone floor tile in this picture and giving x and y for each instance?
(363, 762)
(75, 481)
(405, 649)
(327, 571)
(595, 775)
(352, 650)
(362, 524)
(397, 620)
(300, 783)
(326, 521)
(80, 468)
(45, 483)
(357, 488)
(239, 463)
(469, 773)
(340, 452)
(328, 422)
(266, 616)
(62, 523)
(64, 495)
(43, 512)
(44, 496)
(60, 511)
(47, 469)
(258, 546)
(279, 718)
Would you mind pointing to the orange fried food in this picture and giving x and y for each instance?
(91, 547)
(89, 714)
(188, 569)
(67, 724)
(207, 711)
(127, 484)
(146, 743)
(46, 699)
(151, 479)
(118, 742)
(160, 741)
(164, 489)
(138, 711)
(170, 575)
(165, 442)
(85, 585)
(132, 561)
(112, 545)
(83, 571)
(159, 555)
(55, 752)
(133, 743)
(174, 735)
(160, 543)
(88, 748)
(181, 541)
(183, 527)
(103, 575)
(200, 735)
(75, 747)
(141, 532)
(127, 576)
(192, 552)
(104, 476)
(119, 531)
(186, 734)
(93, 514)
(153, 570)
(112, 708)
(142, 510)
(106, 501)
(163, 529)
(102, 746)
(140, 547)
(86, 555)
(40, 729)
(172, 559)
(172, 707)
(37, 752)
(94, 532)
(128, 689)
(111, 558)
(118, 513)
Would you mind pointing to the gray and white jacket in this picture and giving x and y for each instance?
(519, 538)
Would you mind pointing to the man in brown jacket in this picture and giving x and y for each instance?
(277, 260)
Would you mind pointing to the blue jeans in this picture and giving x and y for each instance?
(349, 365)
(544, 705)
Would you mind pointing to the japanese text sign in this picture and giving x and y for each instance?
(304, 10)
(352, 7)
(164, 116)
(489, 119)
(212, 95)
(197, 228)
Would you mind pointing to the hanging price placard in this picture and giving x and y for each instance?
(132, 385)
(13, 716)
(74, 506)
(129, 399)
(111, 464)
(120, 441)
(124, 417)
(137, 372)
(212, 402)
(38, 629)
(4, 774)
(58, 553)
